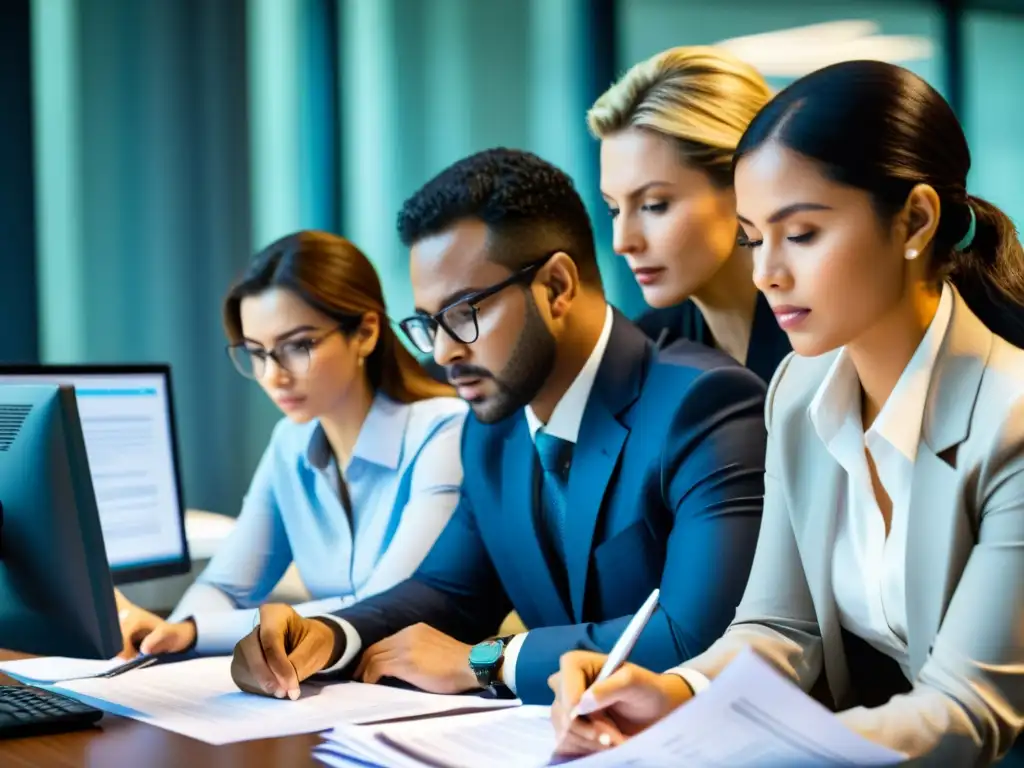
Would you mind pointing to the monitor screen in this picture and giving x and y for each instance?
(128, 422)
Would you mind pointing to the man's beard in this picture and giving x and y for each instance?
(528, 367)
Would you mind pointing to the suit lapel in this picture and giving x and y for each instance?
(600, 443)
(956, 379)
(816, 541)
(937, 528)
(598, 447)
(934, 525)
(520, 521)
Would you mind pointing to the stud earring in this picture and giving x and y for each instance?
(911, 254)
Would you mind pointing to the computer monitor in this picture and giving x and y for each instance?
(56, 593)
(127, 414)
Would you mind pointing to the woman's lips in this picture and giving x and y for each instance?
(789, 317)
(648, 275)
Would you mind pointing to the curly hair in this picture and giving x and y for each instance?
(530, 207)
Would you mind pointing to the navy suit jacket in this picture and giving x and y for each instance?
(665, 489)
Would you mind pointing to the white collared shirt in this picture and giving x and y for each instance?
(868, 567)
(564, 423)
(568, 413)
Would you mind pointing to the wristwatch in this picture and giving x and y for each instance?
(485, 660)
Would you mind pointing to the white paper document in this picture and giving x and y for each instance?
(749, 716)
(519, 738)
(198, 698)
(53, 669)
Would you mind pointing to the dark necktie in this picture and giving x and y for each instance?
(555, 457)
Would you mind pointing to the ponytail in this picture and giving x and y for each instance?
(989, 272)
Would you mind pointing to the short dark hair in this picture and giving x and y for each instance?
(530, 207)
(882, 129)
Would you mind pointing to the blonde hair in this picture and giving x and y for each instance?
(701, 96)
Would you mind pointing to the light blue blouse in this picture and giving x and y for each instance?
(403, 480)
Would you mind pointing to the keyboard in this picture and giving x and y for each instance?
(28, 711)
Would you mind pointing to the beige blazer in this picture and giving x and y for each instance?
(965, 556)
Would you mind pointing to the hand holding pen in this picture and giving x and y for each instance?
(601, 700)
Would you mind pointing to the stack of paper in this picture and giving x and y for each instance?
(750, 716)
(518, 737)
(53, 669)
(198, 698)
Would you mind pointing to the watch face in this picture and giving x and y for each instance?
(485, 654)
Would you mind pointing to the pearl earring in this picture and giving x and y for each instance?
(911, 254)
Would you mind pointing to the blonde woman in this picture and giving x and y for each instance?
(668, 130)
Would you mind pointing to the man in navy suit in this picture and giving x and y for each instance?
(597, 468)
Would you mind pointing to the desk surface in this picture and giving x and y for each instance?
(120, 741)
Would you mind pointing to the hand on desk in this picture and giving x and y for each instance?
(282, 651)
(145, 632)
(421, 656)
(621, 706)
(285, 649)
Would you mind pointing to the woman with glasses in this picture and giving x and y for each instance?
(360, 477)
(668, 130)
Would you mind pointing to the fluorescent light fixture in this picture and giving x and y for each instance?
(797, 51)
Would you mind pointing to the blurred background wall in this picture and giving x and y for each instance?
(148, 147)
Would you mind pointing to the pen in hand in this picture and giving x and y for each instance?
(617, 657)
(139, 662)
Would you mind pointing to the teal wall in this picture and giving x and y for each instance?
(172, 138)
(649, 26)
(19, 335)
(994, 108)
(142, 196)
(424, 84)
(175, 137)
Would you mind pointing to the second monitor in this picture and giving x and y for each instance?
(127, 415)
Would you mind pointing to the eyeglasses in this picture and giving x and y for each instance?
(459, 319)
(294, 357)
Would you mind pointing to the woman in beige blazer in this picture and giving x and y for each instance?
(889, 574)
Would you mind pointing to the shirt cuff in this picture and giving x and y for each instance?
(353, 643)
(217, 632)
(697, 681)
(201, 598)
(508, 665)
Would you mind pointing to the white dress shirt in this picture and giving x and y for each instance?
(868, 566)
(565, 424)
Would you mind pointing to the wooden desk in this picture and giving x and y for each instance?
(120, 741)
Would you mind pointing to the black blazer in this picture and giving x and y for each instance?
(768, 343)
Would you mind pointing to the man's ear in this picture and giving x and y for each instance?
(920, 217)
(561, 281)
